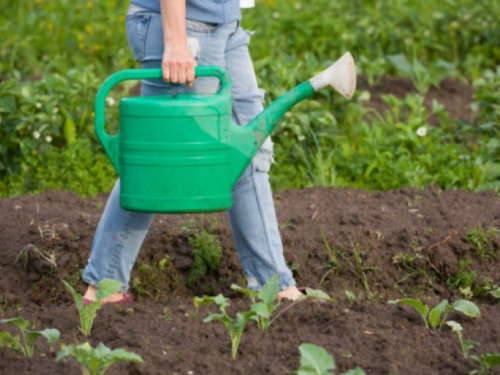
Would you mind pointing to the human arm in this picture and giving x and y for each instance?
(178, 62)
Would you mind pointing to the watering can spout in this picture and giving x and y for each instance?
(246, 140)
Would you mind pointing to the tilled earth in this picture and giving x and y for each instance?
(402, 243)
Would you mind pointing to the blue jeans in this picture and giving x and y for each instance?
(253, 221)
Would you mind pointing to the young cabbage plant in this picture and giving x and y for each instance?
(486, 362)
(315, 360)
(437, 316)
(466, 345)
(234, 327)
(95, 361)
(26, 343)
(264, 302)
(88, 313)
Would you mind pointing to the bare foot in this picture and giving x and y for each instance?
(92, 290)
(291, 293)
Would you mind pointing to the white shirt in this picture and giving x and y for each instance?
(247, 3)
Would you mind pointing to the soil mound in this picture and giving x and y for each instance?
(377, 245)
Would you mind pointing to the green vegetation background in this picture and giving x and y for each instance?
(55, 54)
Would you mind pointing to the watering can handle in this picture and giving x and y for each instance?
(111, 143)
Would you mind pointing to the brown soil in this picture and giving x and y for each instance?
(385, 229)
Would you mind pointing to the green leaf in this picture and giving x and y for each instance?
(467, 307)
(456, 327)
(435, 314)
(252, 294)
(87, 316)
(318, 294)
(401, 63)
(491, 359)
(122, 355)
(69, 131)
(203, 301)
(31, 338)
(18, 322)
(269, 291)
(495, 293)
(106, 288)
(76, 296)
(51, 334)
(6, 339)
(351, 296)
(356, 371)
(222, 317)
(422, 308)
(469, 344)
(261, 309)
(315, 360)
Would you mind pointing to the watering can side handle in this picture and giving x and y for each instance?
(341, 76)
(111, 143)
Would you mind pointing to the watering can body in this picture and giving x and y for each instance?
(173, 153)
(183, 153)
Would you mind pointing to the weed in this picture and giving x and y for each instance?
(466, 345)
(464, 278)
(437, 316)
(207, 255)
(96, 361)
(166, 315)
(352, 262)
(480, 241)
(315, 360)
(152, 278)
(88, 313)
(26, 343)
(410, 262)
(23, 255)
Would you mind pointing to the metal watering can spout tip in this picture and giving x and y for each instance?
(341, 76)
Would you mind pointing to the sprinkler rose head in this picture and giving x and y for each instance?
(341, 76)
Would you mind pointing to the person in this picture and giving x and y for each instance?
(165, 33)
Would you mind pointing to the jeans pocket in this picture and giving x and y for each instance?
(200, 27)
(137, 26)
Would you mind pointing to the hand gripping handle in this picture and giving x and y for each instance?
(110, 143)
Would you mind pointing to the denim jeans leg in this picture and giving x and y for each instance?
(253, 218)
(116, 243)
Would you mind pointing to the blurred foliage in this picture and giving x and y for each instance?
(55, 55)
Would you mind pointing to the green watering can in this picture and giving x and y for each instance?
(184, 153)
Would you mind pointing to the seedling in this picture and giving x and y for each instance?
(234, 327)
(166, 315)
(486, 363)
(157, 279)
(315, 360)
(106, 288)
(350, 296)
(480, 241)
(269, 303)
(268, 296)
(437, 316)
(26, 343)
(466, 345)
(95, 361)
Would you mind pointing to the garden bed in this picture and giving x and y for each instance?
(410, 244)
